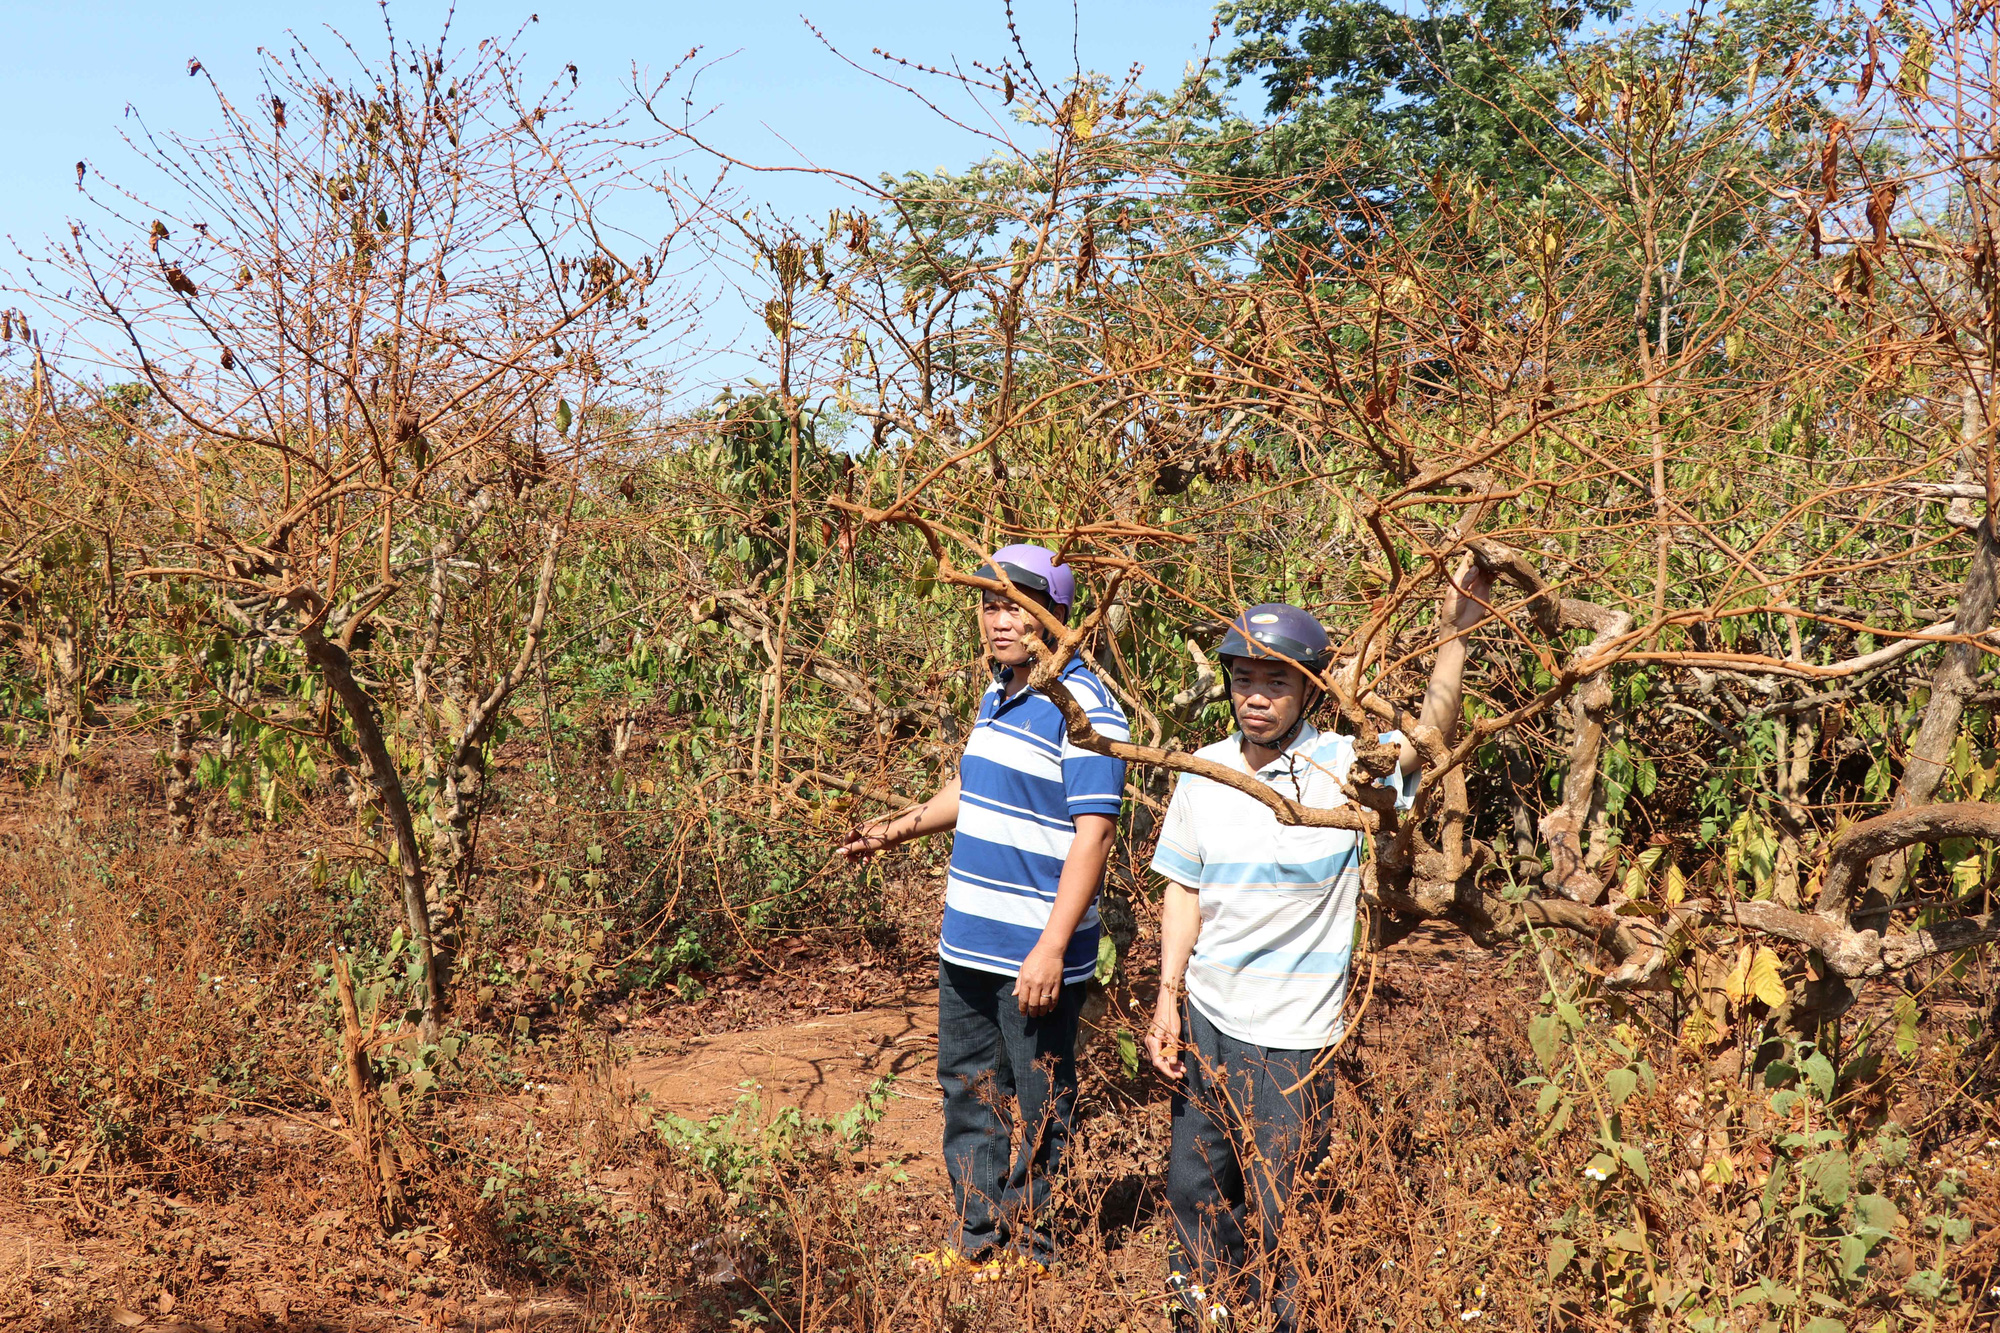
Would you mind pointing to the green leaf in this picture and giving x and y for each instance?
(1543, 1034)
(1831, 1174)
(1620, 1084)
(1107, 958)
(1774, 1188)
(1562, 1253)
(1875, 1217)
(1546, 1102)
(1927, 1285)
(1824, 1324)
(563, 417)
(1818, 1071)
(1128, 1052)
(1906, 1026)
(1637, 1161)
(1853, 1257)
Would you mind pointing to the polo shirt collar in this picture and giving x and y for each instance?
(1306, 735)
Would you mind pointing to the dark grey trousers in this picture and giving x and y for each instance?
(1239, 1143)
(997, 1067)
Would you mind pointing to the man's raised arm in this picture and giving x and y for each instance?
(1464, 606)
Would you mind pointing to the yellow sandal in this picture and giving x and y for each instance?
(938, 1264)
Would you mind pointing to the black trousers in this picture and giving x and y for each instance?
(996, 1067)
(1240, 1141)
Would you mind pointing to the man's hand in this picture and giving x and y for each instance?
(1040, 984)
(1163, 1039)
(865, 841)
(940, 812)
(1466, 596)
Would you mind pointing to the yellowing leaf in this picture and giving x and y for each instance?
(1677, 886)
(1737, 984)
(1764, 981)
(1756, 976)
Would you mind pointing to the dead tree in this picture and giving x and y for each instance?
(383, 316)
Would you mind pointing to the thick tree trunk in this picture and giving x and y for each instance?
(1574, 871)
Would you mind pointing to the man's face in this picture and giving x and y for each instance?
(1268, 695)
(1007, 628)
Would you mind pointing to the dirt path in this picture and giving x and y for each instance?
(823, 1066)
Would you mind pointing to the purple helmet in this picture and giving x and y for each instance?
(1275, 630)
(1033, 569)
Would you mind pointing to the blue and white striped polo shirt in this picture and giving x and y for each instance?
(1270, 966)
(1021, 786)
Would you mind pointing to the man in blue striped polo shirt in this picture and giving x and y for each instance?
(1257, 929)
(1034, 817)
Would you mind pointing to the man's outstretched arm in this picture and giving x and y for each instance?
(1464, 606)
(937, 814)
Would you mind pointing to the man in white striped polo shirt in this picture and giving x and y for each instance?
(1257, 931)
(1034, 817)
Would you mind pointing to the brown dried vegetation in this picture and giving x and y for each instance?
(424, 720)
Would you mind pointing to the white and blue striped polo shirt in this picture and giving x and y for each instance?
(1277, 903)
(1021, 786)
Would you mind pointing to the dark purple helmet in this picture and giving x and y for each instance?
(1275, 630)
(1033, 569)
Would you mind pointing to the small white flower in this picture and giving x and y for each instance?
(1467, 1316)
(1592, 1173)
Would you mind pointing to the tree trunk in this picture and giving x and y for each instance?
(368, 1118)
(337, 669)
(180, 779)
(1930, 754)
(455, 811)
(1791, 768)
(1523, 786)
(1573, 870)
(62, 696)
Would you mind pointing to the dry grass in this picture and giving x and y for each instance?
(173, 1145)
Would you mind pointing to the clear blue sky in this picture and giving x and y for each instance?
(71, 68)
